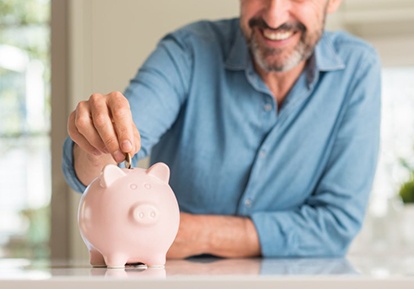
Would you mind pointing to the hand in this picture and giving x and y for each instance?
(104, 125)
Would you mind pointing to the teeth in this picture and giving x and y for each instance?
(277, 35)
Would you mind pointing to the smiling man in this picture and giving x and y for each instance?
(270, 126)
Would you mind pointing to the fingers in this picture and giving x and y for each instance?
(128, 135)
(103, 125)
(77, 137)
(122, 119)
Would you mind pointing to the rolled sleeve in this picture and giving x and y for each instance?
(68, 167)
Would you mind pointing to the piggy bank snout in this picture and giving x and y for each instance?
(145, 214)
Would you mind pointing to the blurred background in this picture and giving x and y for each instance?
(54, 53)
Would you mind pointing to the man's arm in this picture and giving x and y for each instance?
(329, 219)
(104, 127)
(223, 236)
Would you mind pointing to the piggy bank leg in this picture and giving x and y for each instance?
(96, 259)
(156, 261)
(115, 261)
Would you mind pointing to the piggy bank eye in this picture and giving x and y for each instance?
(133, 186)
(147, 186)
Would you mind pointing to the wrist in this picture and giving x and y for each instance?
(88, 166)
(229, 236)
(203, 233)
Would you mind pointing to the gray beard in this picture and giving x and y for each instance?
(300, 53)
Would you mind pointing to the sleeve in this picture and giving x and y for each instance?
(331, 217)
(155, 96)
(160, 88)
(68, 167)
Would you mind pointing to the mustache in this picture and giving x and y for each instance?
(260, 23)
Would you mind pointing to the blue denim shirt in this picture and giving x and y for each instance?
(302, 172)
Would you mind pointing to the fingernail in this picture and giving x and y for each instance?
(119, 156)
(126, 146)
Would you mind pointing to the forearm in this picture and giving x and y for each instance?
(88, 166)
(231, 237)
(224, 236)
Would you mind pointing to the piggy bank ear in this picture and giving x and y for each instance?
(161, 171)
(110, 174)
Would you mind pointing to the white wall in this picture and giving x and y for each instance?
(387, 25)
(112, 38)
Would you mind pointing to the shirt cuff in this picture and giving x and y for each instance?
(274, 242)
(68, 167)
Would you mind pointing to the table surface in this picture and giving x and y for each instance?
(351, 272)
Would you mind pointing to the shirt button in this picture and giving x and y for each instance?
(262, 154)
(268, 107)
(248, 203)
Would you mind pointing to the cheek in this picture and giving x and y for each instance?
(244, 24)
(311, 20)
(313, 14)
(251, 8)
(248, 10)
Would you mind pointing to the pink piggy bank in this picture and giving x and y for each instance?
(129, 216)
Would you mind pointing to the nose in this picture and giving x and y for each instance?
(145, 214)
(276, 12)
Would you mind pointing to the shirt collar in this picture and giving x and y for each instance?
(239, 56)
(324, 58)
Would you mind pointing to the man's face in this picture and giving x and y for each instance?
(283, 33)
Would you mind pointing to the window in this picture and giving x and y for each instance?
(24, 128)
(397, 133)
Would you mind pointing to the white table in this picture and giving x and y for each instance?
(353, 272)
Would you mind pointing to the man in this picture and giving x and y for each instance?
(270, 127)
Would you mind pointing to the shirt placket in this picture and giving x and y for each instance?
(268, 119)
(271, 125)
